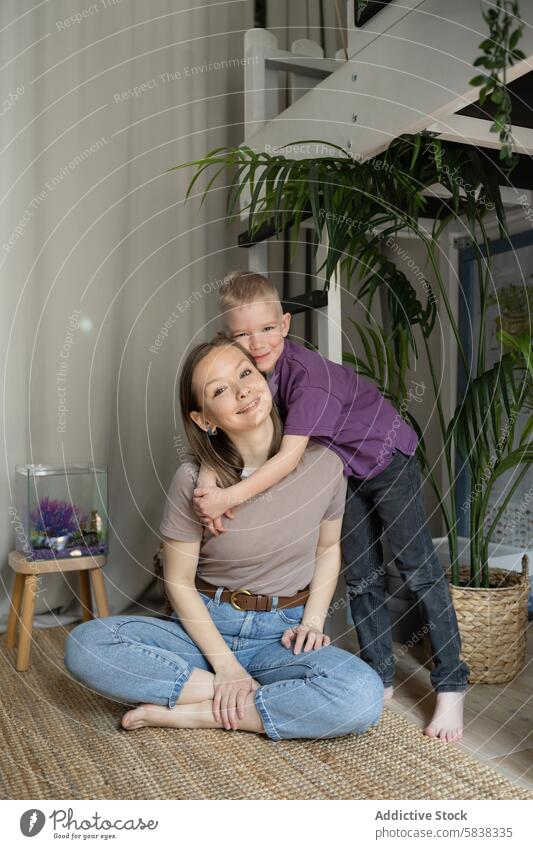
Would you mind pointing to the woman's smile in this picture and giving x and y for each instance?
(230, 386)
(251, 407)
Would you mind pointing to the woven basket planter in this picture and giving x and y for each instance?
(493, 624)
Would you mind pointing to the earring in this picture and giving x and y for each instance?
(210, 431)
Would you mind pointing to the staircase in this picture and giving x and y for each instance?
(408, 69)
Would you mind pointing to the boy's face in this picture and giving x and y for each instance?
(260, 327)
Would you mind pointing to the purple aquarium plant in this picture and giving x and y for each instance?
(57, 518)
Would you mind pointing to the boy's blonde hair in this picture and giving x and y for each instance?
(244, 287)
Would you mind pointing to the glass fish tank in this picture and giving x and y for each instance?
(62, 510)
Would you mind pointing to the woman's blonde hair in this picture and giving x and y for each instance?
(217, 452)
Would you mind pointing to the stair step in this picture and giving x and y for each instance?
(370, 11)
(266, 231)
(315, 299)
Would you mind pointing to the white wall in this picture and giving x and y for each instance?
(111, 238)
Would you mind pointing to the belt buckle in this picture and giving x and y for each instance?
(238, 592)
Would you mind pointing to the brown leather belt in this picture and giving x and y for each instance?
(245, 600)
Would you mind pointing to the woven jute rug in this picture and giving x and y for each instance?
(61, 741)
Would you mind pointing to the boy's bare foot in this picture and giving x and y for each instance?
(447, 720)
(388, 693)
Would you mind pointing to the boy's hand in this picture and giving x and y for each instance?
(312, 637)
(211, 502)
(216, 528)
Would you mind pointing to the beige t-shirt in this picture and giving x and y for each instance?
(270, 545)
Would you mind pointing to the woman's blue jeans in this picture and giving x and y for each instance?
(392, 501)
(326, 692)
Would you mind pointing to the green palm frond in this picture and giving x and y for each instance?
(483, 428)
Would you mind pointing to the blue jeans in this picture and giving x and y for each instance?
(392, 501)
(326, 692)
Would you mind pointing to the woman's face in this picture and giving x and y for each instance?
(233, 395)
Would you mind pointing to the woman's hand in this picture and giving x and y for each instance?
(313, 638)
(232, 685)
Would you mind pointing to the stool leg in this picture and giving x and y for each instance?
(14, 610)
(31, 583)
(85, 596)
(100, 594)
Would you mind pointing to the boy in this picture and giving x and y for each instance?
(331, 403)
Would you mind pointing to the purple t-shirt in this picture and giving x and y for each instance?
(334, 405)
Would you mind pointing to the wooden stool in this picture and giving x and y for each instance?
(25, 587)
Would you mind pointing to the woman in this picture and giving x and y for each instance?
(244, 648)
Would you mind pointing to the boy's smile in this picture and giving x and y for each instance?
(260, 327)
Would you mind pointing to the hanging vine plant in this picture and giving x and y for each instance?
(499, 53)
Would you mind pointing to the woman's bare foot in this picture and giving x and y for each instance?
(447, 720)
(194, 715)
(388, 693)
(159, 716)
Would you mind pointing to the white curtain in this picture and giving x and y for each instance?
(97, 245)
(313, 19)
